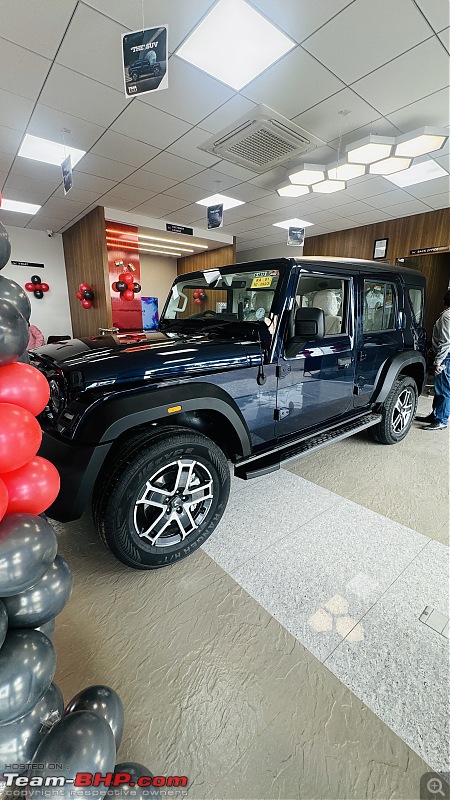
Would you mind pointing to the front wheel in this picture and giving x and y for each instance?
(397, 413)
(164, 500)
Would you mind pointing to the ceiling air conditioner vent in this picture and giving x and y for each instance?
(261, 141)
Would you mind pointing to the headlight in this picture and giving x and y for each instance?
(56, 401)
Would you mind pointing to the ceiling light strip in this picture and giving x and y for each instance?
(158, 239)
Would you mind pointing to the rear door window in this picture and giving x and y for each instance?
(380, 306)
(415, 294)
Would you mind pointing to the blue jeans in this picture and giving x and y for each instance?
(441, 402)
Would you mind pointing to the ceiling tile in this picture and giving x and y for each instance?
(104, 168)
(325, 121)
(124, 191)
(430, 188)
(10, 140)
(408, 208)
(15, 110)
(150, 209)
(387, 199)
(366, 35)
(13, 218)
(432, 110)
(148, 180)
(37, 170)
(379, 127)
(445, 38)
(185, 191)
(436, 12)
(25, 183)
(213, 181)
(25, 70)
(234, 170)
(438, 200)
(124, 149)
(273, 202)
(118, 203)
(300, 25)
(29, 195)
(247, 192)
(48, 123)
(370, 217)
(187, 147)
(193, 94)
(444, 160)
(92, 183)
(352, 209)
(404, 80)
(274, 87)
(27, 24)
(82, 97)
(368, 187)
(171, 166)
(45, 223)
(64, 207)
(150, 125)
(227, 114)
(165, 203)
(76, 194)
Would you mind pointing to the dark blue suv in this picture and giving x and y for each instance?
(255, 365)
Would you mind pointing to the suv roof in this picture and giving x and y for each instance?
(370, 266)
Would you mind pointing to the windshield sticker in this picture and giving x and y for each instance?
(263, 282)
(260, 274)
(211, 275)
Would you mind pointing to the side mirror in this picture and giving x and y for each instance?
(309, 324)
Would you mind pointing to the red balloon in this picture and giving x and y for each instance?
(114, 287)
(196, 294)
(24, 386)
(32, 488)
(123, 276)
(86, 303)
(128, 278)
(3, 499)
(197, 301)
(79, 295)
(83, 286)
(45, 287)
(20, 437)
(128, 294)
(29, 287)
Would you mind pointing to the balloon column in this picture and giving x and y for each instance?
(35, 585)
(86, 295)
(199, 297)
(126, 286)
(36, 286)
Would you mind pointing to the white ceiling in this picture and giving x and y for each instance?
(384, 63)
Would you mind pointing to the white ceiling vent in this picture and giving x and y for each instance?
(261, 140)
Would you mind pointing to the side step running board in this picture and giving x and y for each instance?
(292, 452)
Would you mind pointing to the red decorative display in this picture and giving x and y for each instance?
(123, 259)
(37, 287)
(199, 297)
(86, 295)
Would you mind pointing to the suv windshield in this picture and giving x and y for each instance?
(218, 296)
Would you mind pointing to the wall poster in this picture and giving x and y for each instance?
(144, 60)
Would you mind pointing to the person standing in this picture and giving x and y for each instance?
(438, 419)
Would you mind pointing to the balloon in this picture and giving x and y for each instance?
(113, 287)
(3, 499)
(81, 742)
(28, 548)
(20, 437)
(196, 294)
(20, 738)
(48, 629)
(39, 294)
(23, 385)
(35, 279)
(32, 488)
(14, 294)
(88, 294)
(79, 296)
(27, 666)
(121, 286)
(123, 277)
(197, 301)
(5, 246)
(45, 287)
(42, 601)
(134, 792)
(137, 287)
(83, 286)
(86, 304)
(202, 296)
(102, 701)
(128, 278)
(14, 333)
(29, 287)
(3, 627)
(128, 294)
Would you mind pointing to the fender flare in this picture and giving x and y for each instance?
(390, 370)
(113, 417)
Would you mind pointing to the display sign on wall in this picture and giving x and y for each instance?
(32, 264)
(296, 237)
(419, 252)
(215, 216)
(144, 59)
(380, 248)
(179, 229)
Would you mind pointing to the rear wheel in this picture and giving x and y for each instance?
(397, 413)
(160, 502)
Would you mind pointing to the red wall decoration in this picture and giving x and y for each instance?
(123, 250)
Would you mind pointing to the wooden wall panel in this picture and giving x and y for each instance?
(407, 233)
(208, 259)
(86, 260)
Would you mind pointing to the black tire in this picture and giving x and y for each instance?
(398, 412)
(128, 510)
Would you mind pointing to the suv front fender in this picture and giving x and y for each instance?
(392, 368)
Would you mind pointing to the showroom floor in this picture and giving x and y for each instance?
(287, 659)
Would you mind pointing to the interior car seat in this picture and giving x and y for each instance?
(328, 302)
(259, 300)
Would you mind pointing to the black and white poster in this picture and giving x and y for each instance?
(296, 237)
(215, 216)
(66, 169)
(144, 55)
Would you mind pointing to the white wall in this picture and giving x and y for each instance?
(51, 314)
(157, 275)
(270, 251)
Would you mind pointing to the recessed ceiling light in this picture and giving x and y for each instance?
(389, 165)
(345, 172)
(15, 205)
(162, 253)
(418, 173)
(417, 143)
(293, 223)
(370, 149)
(308, 174)
(234, 43)
(329, 186)
(49, 152)
(293, 191)
(218, 199)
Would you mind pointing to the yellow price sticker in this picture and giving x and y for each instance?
(262, 282)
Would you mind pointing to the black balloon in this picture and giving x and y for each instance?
(14, 294)
(105, 702)
(35, 279)
(88, 294)
(3, 624)
(28, 548)
(136, 287)
(121, 286)
(42, 601)
(27, 666)
(39, 294)
(5, 246)
(20, 738)
(14, 333)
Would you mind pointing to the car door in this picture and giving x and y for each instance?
(317, 384)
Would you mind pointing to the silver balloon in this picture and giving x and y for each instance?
(20, 739)
(3, 625)
(131, 791)
(27, 550)
(14, 294)
(44, 600)
(27, 666)
(81, 742)
(5, 246)
(105, 702)
(14, 333)
(48, 629)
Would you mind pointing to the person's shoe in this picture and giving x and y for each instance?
(428, 418)
(436, 426)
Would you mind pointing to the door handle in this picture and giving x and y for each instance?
(344, 362)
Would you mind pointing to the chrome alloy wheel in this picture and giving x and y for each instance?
(403, 410)
(173, 503)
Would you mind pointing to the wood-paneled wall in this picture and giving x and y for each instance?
(86, 260)
(208, 259)
(431, 229)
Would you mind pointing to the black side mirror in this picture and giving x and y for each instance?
(309, 324)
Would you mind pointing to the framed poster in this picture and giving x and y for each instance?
(215, 216)
(144, 60)
(380, 248)
(296, 237)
